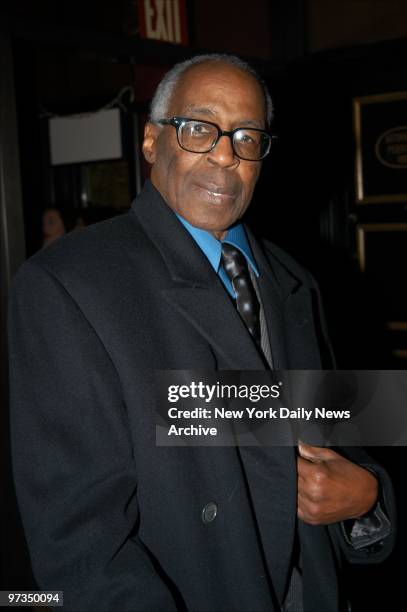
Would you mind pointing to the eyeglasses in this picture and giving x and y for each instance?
(251, 144)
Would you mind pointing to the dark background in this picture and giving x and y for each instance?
(316, 56)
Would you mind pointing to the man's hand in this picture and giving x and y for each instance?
(331, 488)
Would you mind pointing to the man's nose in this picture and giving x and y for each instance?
(222, 154)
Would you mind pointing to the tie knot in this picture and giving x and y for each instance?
(233, 261)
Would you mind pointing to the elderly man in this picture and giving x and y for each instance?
(115, 521)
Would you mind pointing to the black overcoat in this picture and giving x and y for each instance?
(110, 518)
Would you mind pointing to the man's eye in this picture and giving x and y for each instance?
(200, 129)
(246, 138)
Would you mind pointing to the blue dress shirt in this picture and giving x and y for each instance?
(212, 248)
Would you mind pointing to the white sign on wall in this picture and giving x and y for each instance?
(92, 137)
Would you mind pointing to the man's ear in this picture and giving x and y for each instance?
(149, 147)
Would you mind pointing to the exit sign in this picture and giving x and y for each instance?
(163, 20)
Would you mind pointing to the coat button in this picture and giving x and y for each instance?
(209, 513)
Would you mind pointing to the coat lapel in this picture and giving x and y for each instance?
(272, 302)
(304, 352)
(289, 311)
(214, 316)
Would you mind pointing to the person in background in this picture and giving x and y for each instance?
(53, 225)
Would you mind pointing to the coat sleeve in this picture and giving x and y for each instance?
(72, 455)
(378, 531)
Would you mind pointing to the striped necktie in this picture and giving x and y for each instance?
(235, 265)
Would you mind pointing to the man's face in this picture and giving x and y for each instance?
(210, 190)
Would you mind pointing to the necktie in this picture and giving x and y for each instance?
(235, 265)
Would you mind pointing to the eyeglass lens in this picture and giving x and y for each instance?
(199, 137)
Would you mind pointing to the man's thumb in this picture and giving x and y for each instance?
(311, 453)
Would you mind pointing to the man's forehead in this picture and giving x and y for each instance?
(194, 84)
(210, 113)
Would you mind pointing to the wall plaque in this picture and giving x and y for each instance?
(380, 123)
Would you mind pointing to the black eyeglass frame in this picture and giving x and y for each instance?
(178, 122)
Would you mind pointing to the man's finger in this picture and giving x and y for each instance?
(316, 454)
(310, 453)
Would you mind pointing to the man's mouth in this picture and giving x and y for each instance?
(215, 192)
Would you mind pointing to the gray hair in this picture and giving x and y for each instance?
(163, 94)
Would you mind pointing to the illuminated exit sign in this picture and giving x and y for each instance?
(163, 20)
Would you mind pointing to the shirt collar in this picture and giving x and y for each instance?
(212, 247)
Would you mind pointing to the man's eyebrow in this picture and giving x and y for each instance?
(253, 122)
(202, 110)
(207, 110)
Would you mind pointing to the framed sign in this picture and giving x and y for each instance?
(380, 123)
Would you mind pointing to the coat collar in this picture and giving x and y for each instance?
(292, 312)
(284, 281)
(182, 256)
